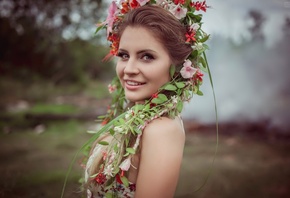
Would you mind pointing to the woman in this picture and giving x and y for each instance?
(159, 49)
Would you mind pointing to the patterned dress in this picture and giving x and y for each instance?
(117, 190)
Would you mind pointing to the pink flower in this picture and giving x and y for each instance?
(111, 16)
(178, 11)
(142, 2)
(187, 70)
(125, 165)
(112, 88)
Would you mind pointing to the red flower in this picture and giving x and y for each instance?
(198, 76)
(179, 2)
(190, 36)
(100, 178)
(152, 105)
(155, 95)
(118, 179)
(134, 4)
(132, 187)
(125, 7)
(199, 5)
(104, 122)
(122, 173)
(114, 43)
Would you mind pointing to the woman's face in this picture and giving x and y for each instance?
(143, 64)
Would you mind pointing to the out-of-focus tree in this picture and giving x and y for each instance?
(258, 20)
(51, 39)
(286, 27)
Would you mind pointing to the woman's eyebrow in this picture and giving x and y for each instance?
(140, 51)
(146, 50)
(122, 50)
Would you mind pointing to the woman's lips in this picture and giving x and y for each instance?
(132, 85)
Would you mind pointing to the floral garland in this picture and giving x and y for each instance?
(127, 124)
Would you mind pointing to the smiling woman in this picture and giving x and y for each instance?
(143, 66)
(160, 49)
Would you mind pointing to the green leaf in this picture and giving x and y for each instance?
(204, 39)
(102, 116)
(99, 28)
(172, 71)
(147, 107)
(170, 87)
(131, 129)
(125, 181)
(156, 101)
(130, 150)
(199, 93)
(179, 106)
(109, 195)
(112, 132)
(138, 107)
(122, 121)
(103, 143)
(180, 84)
(162, 97)
(203, 63)
(205, 46)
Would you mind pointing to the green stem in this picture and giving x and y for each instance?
(90, 141)
(217, 126)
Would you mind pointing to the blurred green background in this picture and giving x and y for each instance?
(53, 85)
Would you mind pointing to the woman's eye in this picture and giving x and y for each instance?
(147, 57)
(123, 56)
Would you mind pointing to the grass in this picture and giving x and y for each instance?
(41, 108)
(34, 165)
(244, 167)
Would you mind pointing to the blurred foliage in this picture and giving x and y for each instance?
(52, 40)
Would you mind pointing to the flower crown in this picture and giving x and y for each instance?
(127, 124)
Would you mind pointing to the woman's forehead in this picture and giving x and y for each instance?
(140, 38)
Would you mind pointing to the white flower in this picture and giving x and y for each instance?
(194, 27)
(118, 129)
(178, 11)
(142, 116)
(127, 116)
(174, 99)
(162, 3)
(197, 46)
(89, 193)
(108, 171)
(187, 71)
(125, 165)
(142, 2)
(159, 2)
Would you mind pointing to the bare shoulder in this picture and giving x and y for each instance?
(162, 146)
(164, 127)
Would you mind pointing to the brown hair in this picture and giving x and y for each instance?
(164, 25)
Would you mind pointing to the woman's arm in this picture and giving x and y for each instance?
(161, 156)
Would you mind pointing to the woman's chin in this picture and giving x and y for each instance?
(135, 99)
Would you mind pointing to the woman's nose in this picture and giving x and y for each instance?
(131, 67)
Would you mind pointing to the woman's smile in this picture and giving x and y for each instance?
(133, 85)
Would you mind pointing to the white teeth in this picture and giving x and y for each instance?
(133, 83)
